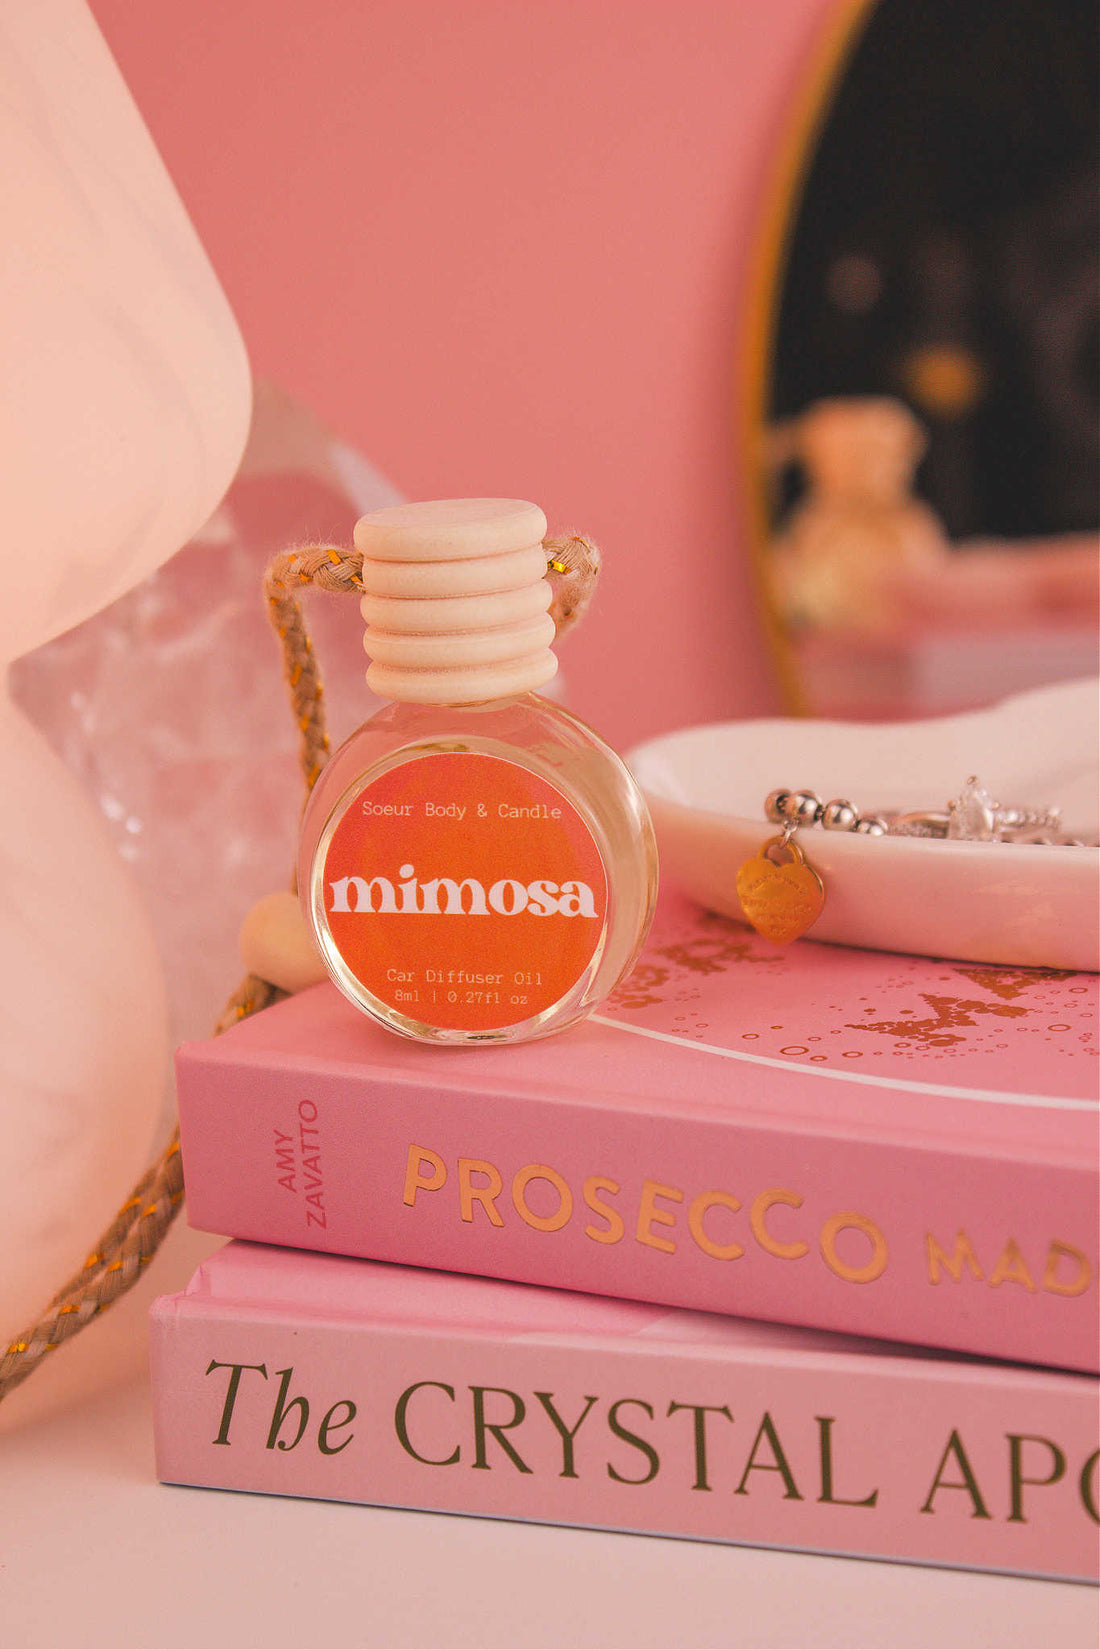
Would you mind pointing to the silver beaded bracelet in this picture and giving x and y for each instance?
(972, 816)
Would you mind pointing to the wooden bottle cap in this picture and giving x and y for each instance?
(450, 529)
(455, 599)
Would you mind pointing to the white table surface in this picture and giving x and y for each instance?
(94, 1552)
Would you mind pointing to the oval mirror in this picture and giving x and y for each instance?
(923, 390)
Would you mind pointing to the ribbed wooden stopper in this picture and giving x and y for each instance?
(456, 600)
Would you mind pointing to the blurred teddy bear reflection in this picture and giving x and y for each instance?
(842, 557)
(859, 555)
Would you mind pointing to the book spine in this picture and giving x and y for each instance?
(966, 1250)
(863, 1456)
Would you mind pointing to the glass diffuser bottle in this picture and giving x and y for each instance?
(476, 865)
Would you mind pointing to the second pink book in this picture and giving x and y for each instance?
(890, 1146)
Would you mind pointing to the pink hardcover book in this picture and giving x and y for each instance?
(297, 1374)
(848, 1140)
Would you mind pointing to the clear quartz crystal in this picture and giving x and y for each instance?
(169, 708)
(551, 744)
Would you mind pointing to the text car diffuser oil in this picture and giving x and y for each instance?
(475, 864)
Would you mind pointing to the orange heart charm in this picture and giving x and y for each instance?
(780, 900)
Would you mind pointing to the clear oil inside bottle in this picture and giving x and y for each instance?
(468, 995)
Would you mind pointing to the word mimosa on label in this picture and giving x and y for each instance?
(508, 897)
(470, 796)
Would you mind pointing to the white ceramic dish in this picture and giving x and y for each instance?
(1011, 903)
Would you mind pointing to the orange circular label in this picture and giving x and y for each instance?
(464, 891)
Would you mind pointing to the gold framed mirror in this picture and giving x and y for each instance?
(921, 391)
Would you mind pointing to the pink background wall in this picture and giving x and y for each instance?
(501, 245)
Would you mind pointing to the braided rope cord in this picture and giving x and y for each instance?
(129, 1243)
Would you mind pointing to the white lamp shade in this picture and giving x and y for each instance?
(124, 405)
(124, 402)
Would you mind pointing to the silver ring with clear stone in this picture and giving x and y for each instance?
(972, 816)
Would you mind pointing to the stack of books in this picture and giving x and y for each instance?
(794, 1248)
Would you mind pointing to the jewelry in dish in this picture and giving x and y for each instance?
(781, 898)
(972, 816)
(782, 894)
